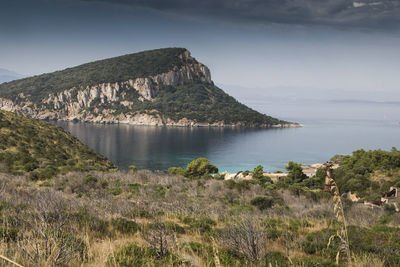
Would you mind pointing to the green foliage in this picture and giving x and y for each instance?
(8, 234)
(199, 168)
(314, 262)
(132, 168)
(355, 171)
(295, 174)
(175, 228)
(230, 257)
(202, 225)
(87, 221)
(43, 150)
(263, 202)
(240, 186)
(124, 226)
(258, 172)
(258, 175)
(205, 103)
(133, 255)
(176, 171)
(276, 258)
(383, 241)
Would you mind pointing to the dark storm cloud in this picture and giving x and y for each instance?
(361, 13)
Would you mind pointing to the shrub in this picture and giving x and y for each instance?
(124, 226)
(202, 225)
(246, 235)
(276, 259)
(176, 228)
(263, 202)
(90, 180)
(133, 255)
(200, 167)
(258, 172)
(8, 234)
(132, 168)
(314, 262)
(176, 171)
(231, 257)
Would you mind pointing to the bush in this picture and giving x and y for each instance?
(231, 257)
(276, 259)
(263, 202)
(200, 167)
(202, 225)
(132, 168)
(8, 234)
(314, 262)
(176, 228)
(133, 255)
(176, 171)
(124, 226)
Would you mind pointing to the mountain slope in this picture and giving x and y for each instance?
(158, 87)
(42, 149)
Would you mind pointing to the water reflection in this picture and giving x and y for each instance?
(231, 149)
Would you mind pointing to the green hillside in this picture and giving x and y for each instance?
(115, 69)
(43, 150)
(184, 90)
(197, 101)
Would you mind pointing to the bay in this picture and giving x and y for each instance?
(326, 132)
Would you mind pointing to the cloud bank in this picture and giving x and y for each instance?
(383, 14)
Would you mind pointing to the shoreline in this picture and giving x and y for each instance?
(183, 125)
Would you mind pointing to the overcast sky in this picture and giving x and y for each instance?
(258, 44)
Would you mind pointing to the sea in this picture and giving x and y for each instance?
(329, 128)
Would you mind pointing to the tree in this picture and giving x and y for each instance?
(200, 167)
(295, 174)
(258, 175)
(258, 172)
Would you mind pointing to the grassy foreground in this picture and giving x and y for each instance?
(143, 218)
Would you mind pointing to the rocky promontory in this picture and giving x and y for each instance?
(158, 87)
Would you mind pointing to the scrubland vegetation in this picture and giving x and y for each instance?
(143, 218)
(43, 150)
(89, 214)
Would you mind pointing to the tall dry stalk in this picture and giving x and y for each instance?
(342, 234)
(215, 253)
(10, 261)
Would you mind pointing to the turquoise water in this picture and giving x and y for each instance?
(158, 148)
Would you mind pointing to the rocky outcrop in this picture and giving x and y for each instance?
(72, 104)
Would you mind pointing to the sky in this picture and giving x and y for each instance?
(271, 48)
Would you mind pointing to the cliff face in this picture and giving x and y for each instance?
(71, 103)
(138, 101)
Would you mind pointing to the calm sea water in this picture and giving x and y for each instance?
(326, 132)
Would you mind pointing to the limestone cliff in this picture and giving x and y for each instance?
(139, 100)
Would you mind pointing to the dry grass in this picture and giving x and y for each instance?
(144, 196)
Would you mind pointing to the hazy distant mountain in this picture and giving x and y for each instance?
(157, 87)
(7, 75)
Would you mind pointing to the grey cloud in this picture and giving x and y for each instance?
(361, 13)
